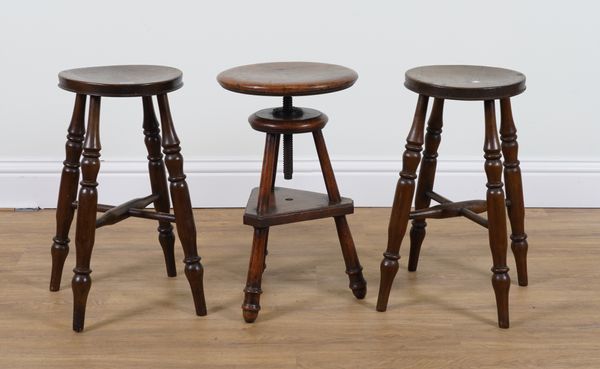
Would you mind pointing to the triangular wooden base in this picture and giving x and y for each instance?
(288, 205)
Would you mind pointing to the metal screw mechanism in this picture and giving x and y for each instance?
(288, 141)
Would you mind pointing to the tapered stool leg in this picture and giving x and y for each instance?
(514, 189)
(86, 215)
(182, 206)
(358, 285)
(252, 291)
(68, 192)
(158, 182)
(426, 179)
(402, 201)
(496, 213)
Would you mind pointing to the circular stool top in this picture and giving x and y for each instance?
(287, 78)
(465, 82)
(121, 80)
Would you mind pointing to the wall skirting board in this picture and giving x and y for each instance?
(227, 182)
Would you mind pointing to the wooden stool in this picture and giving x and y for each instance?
(122, 81)
(457, 82)
(268, 205)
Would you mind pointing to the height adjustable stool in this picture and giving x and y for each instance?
(459, 82)
(269, 205)
(142, 81)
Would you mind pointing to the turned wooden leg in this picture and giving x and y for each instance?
(86, 215)
(252, 291)
(358, 285)
(402, 202)
(182, 206)
(433, 137)
(158, 182)
(496, 213)
(514, 189)
(68, 192)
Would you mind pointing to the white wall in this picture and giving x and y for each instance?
(555, 43)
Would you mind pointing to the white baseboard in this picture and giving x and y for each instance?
(227, 182)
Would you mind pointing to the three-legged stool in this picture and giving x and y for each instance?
(269, 205)
(142, 81)
(457, 82)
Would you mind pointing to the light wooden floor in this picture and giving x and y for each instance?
(442, 316)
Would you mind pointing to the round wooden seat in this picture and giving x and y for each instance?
(465, 82)
(287, 78)
(121, 80)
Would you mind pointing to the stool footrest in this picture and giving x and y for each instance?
(288, 205)
(121, 212)
(133, 208)
(447, 209)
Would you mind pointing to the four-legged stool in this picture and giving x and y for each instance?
(268, 205)
(142, 81)
(457, 82)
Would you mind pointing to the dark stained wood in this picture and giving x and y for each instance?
(158, 183)
(402, 201)
(122, 212)
(288, 205)
(182, 206)
(462, 83)
(449, 210)
(287, 78)
(252, 291)
(86, 215)
(269, 205)
(328, 175)
(496, 213)
(358, 285)
(469, 214)
(433, 137)
(465, 82)
(303, 121)
(68, 191)
(121, 80)
(136, 213)
(514, 189)
(267, 174)
(265, 199)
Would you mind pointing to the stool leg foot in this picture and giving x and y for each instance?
(252, 292)
(358, 285)
(68, 192)
(86, 215)
(166, 238)
(182, 206)
(514, 190)
(496, 214)
(417, 236)
(402, 201)
(194, 273)
(81, 285)
(158, 183)
(433, 137)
